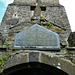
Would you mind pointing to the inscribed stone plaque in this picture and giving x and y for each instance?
(37, 37)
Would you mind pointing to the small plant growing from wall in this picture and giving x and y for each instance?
(4, 58)
(1, 64)
(54, 3)
(44, 22)
(49, 24)
(34, 2)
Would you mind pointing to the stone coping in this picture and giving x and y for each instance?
(45, 49)
(33, 2)
(71, 48)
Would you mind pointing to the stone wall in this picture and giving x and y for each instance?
(19, 15)
(71, 39)
(0, 39)
(56, 59)
(58, 16)
(32, 2)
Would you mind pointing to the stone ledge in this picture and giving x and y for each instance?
(33, 2)
(71, 48)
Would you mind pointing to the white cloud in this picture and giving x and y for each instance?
(9, 1)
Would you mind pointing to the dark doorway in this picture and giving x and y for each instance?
(34, 68)
(43, 8)
(33, 71)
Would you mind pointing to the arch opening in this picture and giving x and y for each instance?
(33, 68)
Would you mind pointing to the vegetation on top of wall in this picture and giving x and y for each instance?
(56, 29)
(2, 62)
(50, 25)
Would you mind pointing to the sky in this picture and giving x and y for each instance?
(68, 4)
(3, 7)
(2, 10)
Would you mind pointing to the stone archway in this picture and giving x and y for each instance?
(48, 58)
(33, 68)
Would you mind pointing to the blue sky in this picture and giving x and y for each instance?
(2, 10)
(69, 6)
(3, 7)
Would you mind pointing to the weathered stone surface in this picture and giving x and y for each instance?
(16, 59)
(23, 13)
(49, 58)
(34, 57)
(12, 21)
(59, 63)
(71, 39)
(0, 39)
(46, 2)
(37, 37)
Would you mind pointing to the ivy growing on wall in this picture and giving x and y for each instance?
(4, 58)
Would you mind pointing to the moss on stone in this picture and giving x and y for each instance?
(55, 29)
(2, 62)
